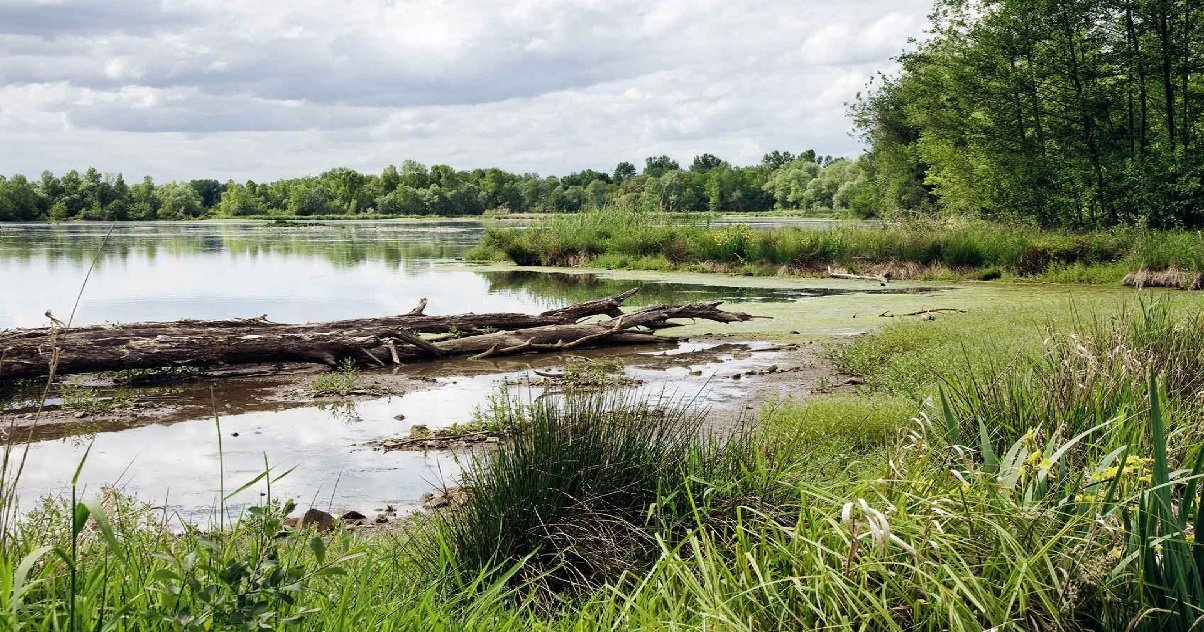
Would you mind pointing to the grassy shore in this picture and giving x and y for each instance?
(1044, 476)
(928, 250)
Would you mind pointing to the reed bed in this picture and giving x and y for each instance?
(616, 238)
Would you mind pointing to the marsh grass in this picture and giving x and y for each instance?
(617, 238)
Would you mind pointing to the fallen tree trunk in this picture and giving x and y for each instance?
(26, 353)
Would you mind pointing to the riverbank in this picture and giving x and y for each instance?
(979, 477)
(955, 250)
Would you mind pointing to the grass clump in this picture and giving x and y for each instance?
(583, 495)
(338, 382)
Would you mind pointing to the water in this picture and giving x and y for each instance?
(170, 271)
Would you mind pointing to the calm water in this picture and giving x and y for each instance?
(296, 274)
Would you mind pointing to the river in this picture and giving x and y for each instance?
(167, 271)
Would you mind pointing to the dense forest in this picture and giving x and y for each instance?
(1062, 112)
(783, 180)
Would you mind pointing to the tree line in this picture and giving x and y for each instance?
(1080, 113)
(782, 180)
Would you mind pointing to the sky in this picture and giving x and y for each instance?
(265, 89)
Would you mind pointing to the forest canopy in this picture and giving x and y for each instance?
(806, 181)
(1079, 113)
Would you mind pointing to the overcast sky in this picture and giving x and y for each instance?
(264, 89)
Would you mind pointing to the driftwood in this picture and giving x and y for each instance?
(859, 277)
(367, 341)
(922, 312)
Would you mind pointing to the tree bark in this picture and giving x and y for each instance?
(31, 353)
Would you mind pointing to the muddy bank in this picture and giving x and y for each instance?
(97, 403)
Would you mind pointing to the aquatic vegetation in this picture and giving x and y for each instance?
(617, 238)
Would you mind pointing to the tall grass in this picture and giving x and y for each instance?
(1052, 489)
(590, 482)
(624, 238)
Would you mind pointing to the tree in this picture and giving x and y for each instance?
(706, 162)
(144, 203)
(178, 201)
(776, 159)
(309, 197)
(624, 171)
(657, 166)
(788, 183)
(209, 190)
(415, 175)
(19, 199)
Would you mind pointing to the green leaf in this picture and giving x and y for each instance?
(102, 520)
(22, 573)
(319, 548)
(951, 428)
(79, 468)
(79, 517)
(989, 460)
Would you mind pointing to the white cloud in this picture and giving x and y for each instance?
(269, 89)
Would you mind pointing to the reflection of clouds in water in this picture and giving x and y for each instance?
(149, 275)
(180, 462)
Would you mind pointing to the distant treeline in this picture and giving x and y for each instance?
(1075, 113)
(783, 180)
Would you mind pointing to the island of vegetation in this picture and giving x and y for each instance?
(1030, 464)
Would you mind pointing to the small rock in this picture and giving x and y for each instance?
(737, 376)
(794, 331)
(233, 434)
(773, 368)
(399, 417)
(437, 500)
(430, 444)
(79, 415)
(695, 373)
(353, 515)
(381, 518)
(493, 439)
(318, 519)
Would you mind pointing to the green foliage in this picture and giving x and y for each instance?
(413, 189)
(339, 381)
(619, 238)
(87, 400)
(846, 421)
(1061, 113)
(578, 497)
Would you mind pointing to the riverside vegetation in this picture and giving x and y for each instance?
(929, 249)
(1045, 476)
(1037, 467)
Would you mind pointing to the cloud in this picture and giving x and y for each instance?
(546, 85)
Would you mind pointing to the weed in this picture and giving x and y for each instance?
(338, 382)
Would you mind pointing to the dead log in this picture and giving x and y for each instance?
(922, 312)
(30, 352)
(859, 277)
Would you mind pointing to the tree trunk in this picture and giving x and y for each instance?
(31, 353)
